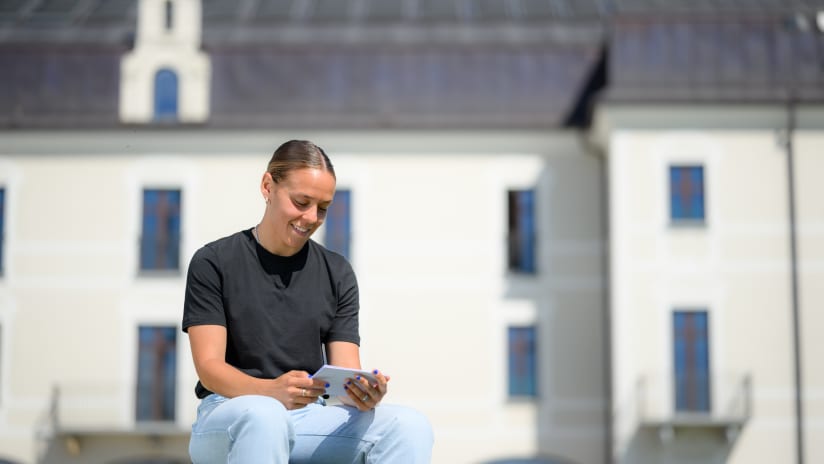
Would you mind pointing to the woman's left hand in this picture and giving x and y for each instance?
(365, 395)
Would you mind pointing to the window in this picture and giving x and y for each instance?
(165, 96)
(691, 361)
(687, 194)
(169, 15)
(160, 239)
(521, 236)
(522, 361)
(339, 223)
(156, 373)
(2, 226)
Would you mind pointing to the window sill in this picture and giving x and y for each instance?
(159, 273)
(688, 224)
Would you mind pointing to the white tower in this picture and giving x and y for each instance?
(165, 78)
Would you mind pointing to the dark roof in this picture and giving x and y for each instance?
(113, 21)
(419, 63)
(396, 86)
(718, 59)
(59, 86)
(68, 21)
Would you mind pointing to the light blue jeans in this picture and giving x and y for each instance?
(255, 429)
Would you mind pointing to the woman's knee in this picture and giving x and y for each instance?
(412, 425)
(260, 413)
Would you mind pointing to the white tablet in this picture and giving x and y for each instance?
(337, 377)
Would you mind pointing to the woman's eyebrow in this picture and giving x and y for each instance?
(306, 196)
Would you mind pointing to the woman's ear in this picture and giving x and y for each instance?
(267, 187)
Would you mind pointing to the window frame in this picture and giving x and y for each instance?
(526, 386)
(169, 382)
(522, 231)
(703, 345)
(673, 195)
(166, 96)
(175, 242)
(330, 239)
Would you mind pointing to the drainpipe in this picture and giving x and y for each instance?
(799, 410)
(801, 26)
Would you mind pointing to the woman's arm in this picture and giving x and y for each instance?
(360, 393)
(294, 389)
(344, 354)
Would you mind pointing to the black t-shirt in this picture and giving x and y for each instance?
(277, 310)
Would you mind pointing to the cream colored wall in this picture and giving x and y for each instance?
(737, 267)
(429, 231)
(809, 146)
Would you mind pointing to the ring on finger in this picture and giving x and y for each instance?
(303, 392)
(365, 397)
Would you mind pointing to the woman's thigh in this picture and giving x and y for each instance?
(343, 434)
(233, 428)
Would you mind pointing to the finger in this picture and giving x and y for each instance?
(382, 381)
(361, 399)
(298, 374)
(306, 395)
(369, 393)
(307, 382)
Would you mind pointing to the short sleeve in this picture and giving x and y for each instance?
(345, 324)
(203, 303)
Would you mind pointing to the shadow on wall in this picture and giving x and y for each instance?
(567, 290)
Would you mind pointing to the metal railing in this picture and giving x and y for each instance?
(720, 398)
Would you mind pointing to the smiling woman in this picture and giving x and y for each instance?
(295, 207)
(260, 305)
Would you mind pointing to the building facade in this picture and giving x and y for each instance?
(570, 221)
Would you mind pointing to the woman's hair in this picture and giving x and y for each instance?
(298, 154)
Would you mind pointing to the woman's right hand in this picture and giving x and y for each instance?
(295, 389)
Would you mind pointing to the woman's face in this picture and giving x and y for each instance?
(297, 207)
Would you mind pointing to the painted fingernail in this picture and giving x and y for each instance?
(375, 371)
(348, 382)
(310, 376)
(327, 384)
(345, 387)
(326, 397)
(357, 378)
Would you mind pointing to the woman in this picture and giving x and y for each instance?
(259, 307)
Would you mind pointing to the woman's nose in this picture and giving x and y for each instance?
(311, 214)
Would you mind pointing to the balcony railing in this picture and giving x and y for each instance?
(90, 408)
(726, 398)
(653, 403)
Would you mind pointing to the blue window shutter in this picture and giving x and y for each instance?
(160, 238)
(697, 198)
(676, 203)
(522, 361)
(687, 193)
(339, 223)
(156, 373)
(165, 95)
(691, 361)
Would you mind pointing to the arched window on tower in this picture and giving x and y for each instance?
(165, 96)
